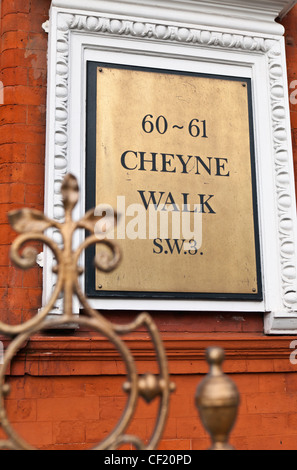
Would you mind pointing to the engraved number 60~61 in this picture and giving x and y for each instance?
(149, 124)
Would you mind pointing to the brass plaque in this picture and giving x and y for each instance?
(173, 153)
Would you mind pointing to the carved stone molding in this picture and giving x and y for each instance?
(286, 214)
(245, 353)
(245, 15)
(270, 46)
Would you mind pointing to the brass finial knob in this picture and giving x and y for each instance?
(217, 401)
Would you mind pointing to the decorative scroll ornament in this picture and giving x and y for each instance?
(282, 177)
(32, 224)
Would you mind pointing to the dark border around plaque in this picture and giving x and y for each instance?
(90, 185)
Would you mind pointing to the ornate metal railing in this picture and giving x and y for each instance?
(217, 397)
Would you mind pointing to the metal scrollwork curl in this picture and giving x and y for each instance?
(32, 224)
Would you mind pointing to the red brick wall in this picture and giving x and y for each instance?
(62, 403)
(78, 413)
(22, 136)
(74, 398)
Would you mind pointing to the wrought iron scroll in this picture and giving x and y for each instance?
(32, 225)
(216, 399)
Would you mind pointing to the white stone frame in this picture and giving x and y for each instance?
(194, 36)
